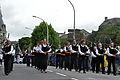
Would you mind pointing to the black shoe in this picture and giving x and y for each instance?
(69, 69)
(87, 70)
(65, 69)
(108, 73)
(76, 70)
(103, 73)
(97, 72)
(84, 72)
(6, 74)
(114, 74)
(79, 71)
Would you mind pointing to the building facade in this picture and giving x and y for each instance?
(2, 30)
(79, 34)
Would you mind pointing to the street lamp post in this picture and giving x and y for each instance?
(74, 17)
(47, 28)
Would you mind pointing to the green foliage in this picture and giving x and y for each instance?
(40, 32)
(63, 41)
(24, 43)
(106, 33)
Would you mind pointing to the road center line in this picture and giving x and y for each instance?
(61, 74)
(74, 79)
(50, 70)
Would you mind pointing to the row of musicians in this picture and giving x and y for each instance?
(77, 57)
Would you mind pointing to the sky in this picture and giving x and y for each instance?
(17, 14)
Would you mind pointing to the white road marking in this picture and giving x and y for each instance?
(50, 70)
(74, 79)
(61, 74)
(91, 79)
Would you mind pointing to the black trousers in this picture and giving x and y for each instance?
(94, 64)
(81, 63)
(67, 60)
(28, 61)
(44, 59)
(100, 61)
(7, 63)
(86, 63)
(12, 61)
(62, 61)
(1, 61)
(39, 60)
(35, 60)
(57, 60)
(111, 60)
(25, 59)
(74, 60)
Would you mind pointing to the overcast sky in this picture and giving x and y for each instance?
(17, 14)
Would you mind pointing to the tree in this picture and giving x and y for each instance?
(40, 32)
(106, 33)
(24, 43)
(63, 41)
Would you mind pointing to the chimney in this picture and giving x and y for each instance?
(106, 18)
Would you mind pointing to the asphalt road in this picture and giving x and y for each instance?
(21, 72)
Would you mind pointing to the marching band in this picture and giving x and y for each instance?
(75, 56)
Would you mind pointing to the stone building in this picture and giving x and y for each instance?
(2, 30)
(110, 21)
(78, 35)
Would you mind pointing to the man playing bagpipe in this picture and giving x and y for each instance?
(83, 56)
(67, 56)
(74, 55)
(7, 57)
(44, 50)
(112, 53)
(100, 54)
(58, 56)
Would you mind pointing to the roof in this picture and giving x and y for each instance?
(1, 21)
(110, 21)
(72, 30)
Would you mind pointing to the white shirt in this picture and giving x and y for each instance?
(93, 55)
(37, 48)
(81, 53)
(59, 49)
(12, 51)
(41, 48)
(97, 52)
(108, 51)
(73, 51)
(68, 47)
